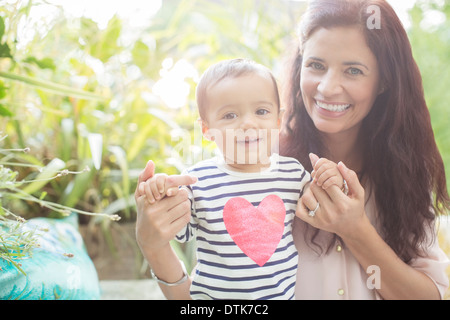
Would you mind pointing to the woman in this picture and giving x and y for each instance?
(355, 97)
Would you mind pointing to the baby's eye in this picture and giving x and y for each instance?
(230, 116)
(262, 112)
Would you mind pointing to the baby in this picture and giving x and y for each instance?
(244, 201)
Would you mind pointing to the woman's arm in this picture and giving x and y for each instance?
(345, 216)
(398, 279)
(167, 267)
(156, 225)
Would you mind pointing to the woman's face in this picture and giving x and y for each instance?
(339, 79)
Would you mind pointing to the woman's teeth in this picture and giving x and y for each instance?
(333, 107)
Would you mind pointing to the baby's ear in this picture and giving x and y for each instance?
(205, 130)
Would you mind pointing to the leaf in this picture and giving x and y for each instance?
(46, 63)
(5, 52)
(53, 87)
(138, 142)
(67, 138)
(103, 45)
(5, 112)
(141, 54)
(96, 146)
(2, 27)
(121, 204)
(121, 159)
(77, 188)
(42, 179)
(2, 90)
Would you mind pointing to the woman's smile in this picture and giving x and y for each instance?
(332, 109)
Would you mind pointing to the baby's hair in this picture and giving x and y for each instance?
(232, 68)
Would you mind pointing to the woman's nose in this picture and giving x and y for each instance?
(330, 84)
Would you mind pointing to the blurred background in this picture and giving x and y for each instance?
(108, 85)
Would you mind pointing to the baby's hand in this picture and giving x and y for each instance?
(326, 173)
(161, 185)
(154, 188)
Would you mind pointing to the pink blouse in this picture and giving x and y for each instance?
(338, 275)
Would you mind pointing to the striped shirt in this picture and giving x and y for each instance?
(229, 265)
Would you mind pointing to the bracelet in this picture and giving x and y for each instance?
(182, 280)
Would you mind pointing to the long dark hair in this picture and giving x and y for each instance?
(401, 158)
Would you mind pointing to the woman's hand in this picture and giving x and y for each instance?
(159, 222)
(345, 216)
(337, 213)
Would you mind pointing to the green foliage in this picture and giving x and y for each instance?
(76, 82)
(86, 94)
(5, 52)
(17, 243)
(83, 100)
(430, 40)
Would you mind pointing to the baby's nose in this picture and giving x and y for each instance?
(248, 122)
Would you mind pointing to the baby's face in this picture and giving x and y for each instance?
(243, 118)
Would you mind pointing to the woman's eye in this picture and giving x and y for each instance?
(316, 66)
(354, 71)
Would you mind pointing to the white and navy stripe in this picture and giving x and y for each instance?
(223, 271)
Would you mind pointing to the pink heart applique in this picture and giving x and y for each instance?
(256, 231)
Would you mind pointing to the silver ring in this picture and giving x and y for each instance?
(345, 188)
(312, 213)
